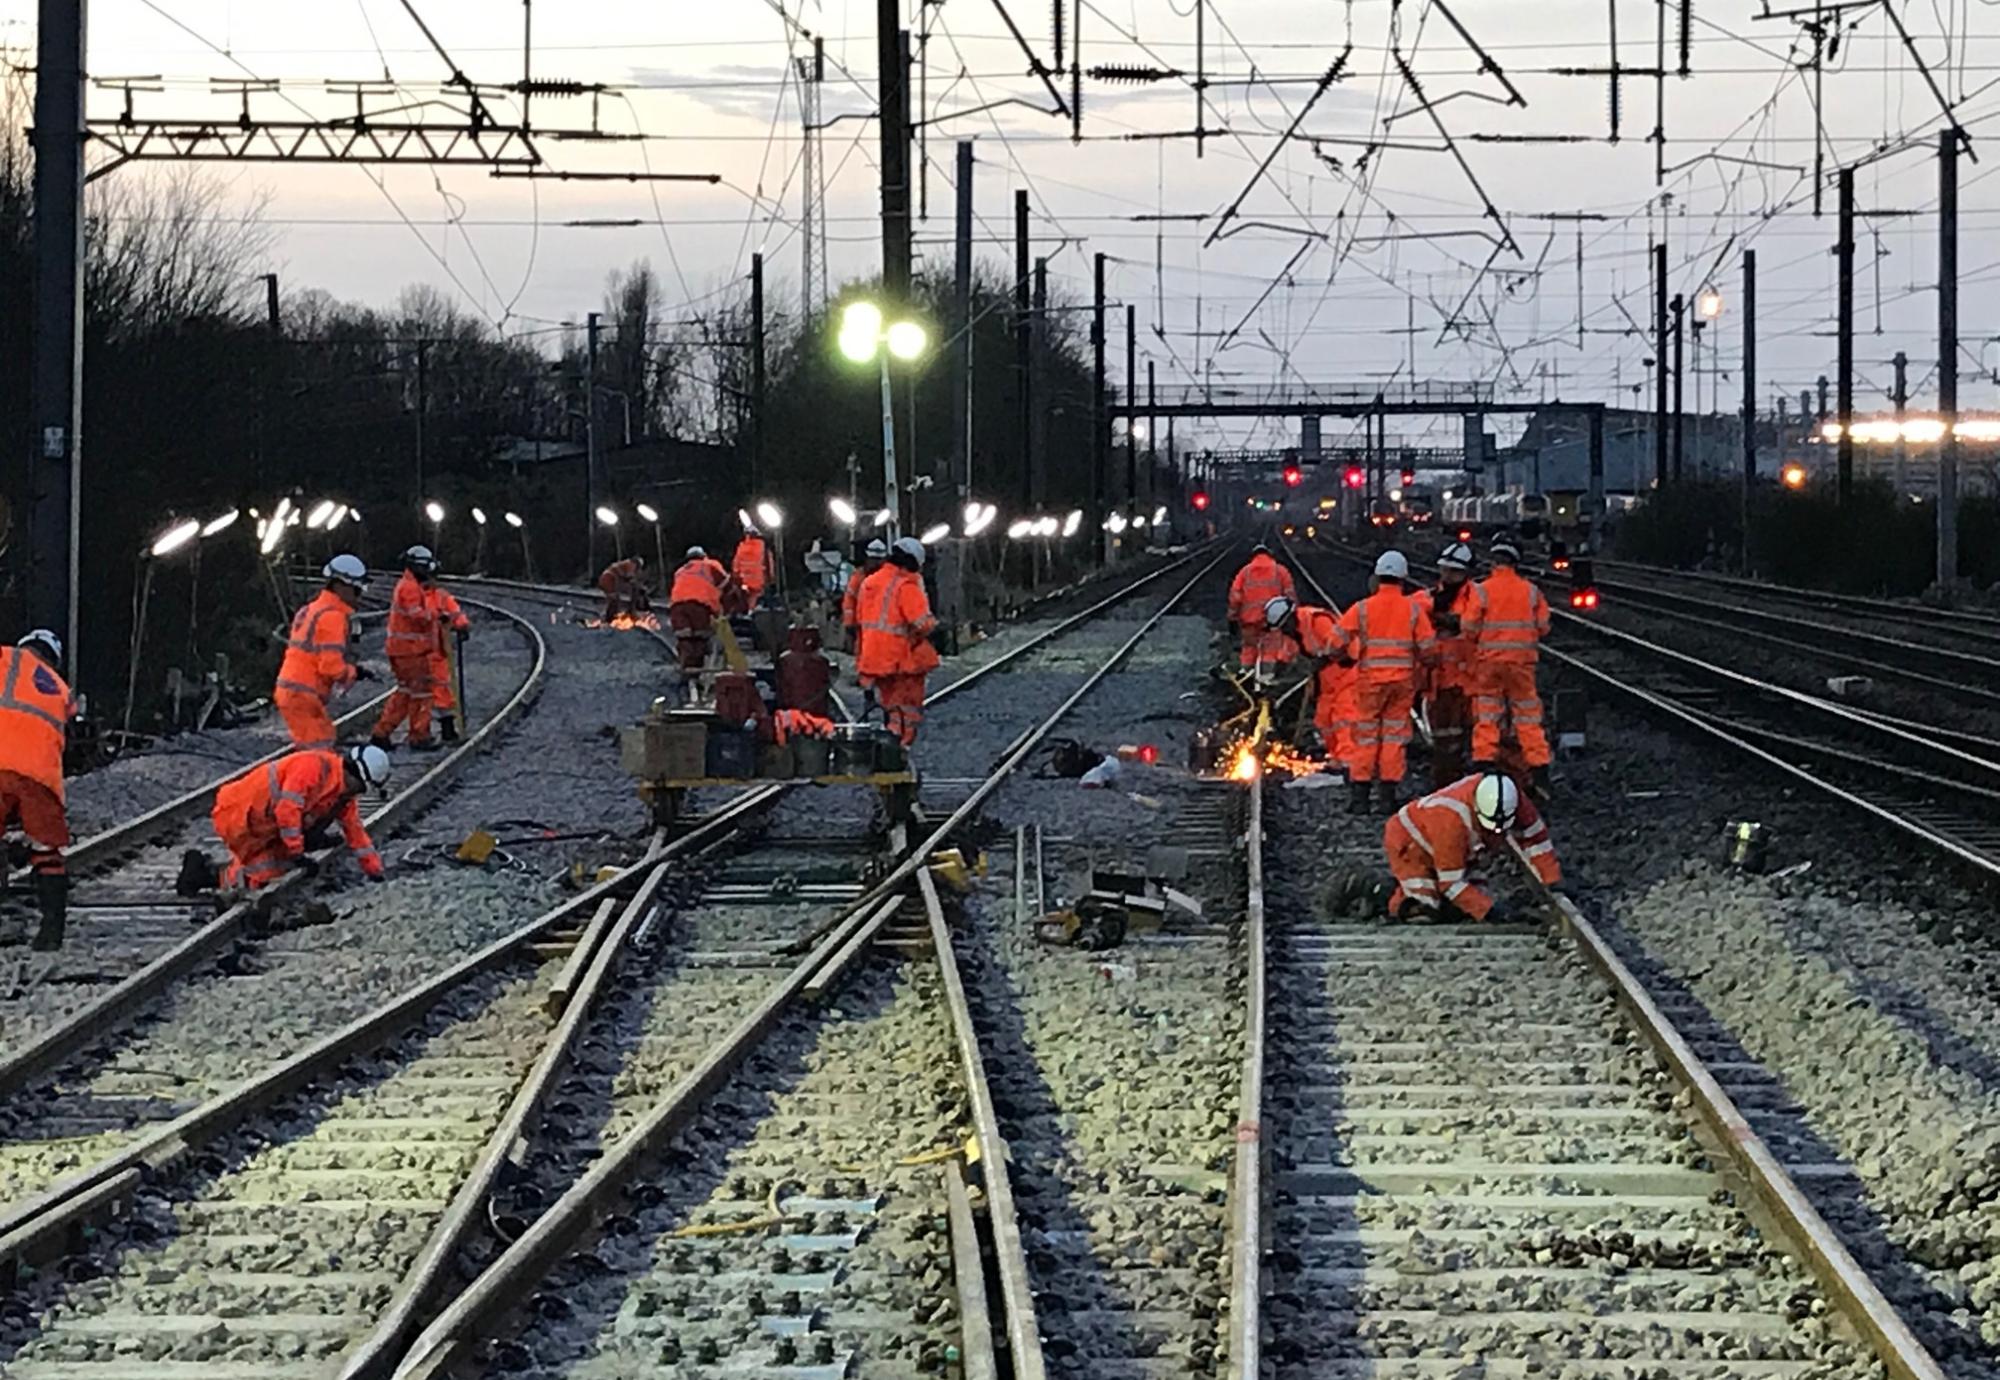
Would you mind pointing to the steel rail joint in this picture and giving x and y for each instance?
(1810, 1235)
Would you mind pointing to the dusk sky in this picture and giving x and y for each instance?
(1362, 248)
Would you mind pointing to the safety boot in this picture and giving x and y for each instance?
(380, 740)
(425, 745)
(448, 727)
(52, 892)
(1386, 801)
(1357, 797)
(197, 874)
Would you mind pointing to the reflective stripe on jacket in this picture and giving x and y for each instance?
(699, 581)
(751, 565)
(286, 799)
(1456, 651)
(316, 650)
(35, 710)
(413, 623)
(1388, 633)
(1445, 828)
(1260, 581)
(1517, 617)
(896, 625)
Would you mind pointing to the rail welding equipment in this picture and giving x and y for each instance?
(1496, 800)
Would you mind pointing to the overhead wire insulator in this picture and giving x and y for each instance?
(1135, 76)
(551, 86)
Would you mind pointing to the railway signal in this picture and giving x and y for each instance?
(1294, 476)
(1200, 500)
(1354, 478)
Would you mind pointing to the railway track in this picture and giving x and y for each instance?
(435, 1129)
(1493, 1152)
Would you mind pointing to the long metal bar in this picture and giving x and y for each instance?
(1246, 1198)
(975, 1317)
(1024, 1338)
(1947, 505)
(115, 1008)
(1973, 624)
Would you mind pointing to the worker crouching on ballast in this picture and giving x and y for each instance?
(1433, 843)
(623, 585)
(35, 712)
(896, 654)
(269, 816)
(1317, 635)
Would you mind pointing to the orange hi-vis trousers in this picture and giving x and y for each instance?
(902, 701)
(1505, 691)
(306, 719)
(1381, 730)
(412, 699)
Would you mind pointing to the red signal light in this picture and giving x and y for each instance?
(1294, 476)
(1354, 478)
(1409, 478)
(1585, 599)
(1465, 534)
(1149, 754)
(1200, 501)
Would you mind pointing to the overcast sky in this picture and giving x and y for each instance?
(1384, 265)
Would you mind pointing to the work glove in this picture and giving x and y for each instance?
(366, 673)
(306, 865)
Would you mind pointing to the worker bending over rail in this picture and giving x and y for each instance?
(1317, 635)
(1388, 635)
(35, 712)
(1433, 843)
(1515, 620)
(1260, 581)
(694, 602)
(268, 816)
(420, 617)
(319, 660)
(896, 654)
(1457, 609)
(623, 585)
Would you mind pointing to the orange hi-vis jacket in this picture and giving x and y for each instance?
(316, 661)
(896, 625)
(625, 572)
(1321, 638)
(850, 602)
(752, 563)
(284, 799)
(1447, 834)
(35, 710)
(413, 620)
(1457, 652)
(447, 612)
(1517, 618)
(1388, 634)
(699, 581)
(1261, 580)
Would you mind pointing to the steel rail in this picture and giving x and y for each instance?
(1246, 1198)
(1810, 1236)
(1024, 1337)
(831, 950)
(1962, 620)
(64, 1209)
(116, 1008)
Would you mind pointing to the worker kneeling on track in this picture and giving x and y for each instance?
(1389, 635)
(269, 815)
(318, 663)
(1433, 842)
(694, 602)
(1317, 634)
(1516, 619)
(1457, 609)
(35, 711)
(896, 625)
(623, 585)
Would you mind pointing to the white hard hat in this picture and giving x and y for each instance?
(912, 548)
(1277, 610)
(1508, 548)
(1495, 801)
(347, 567)
(1457, 556)
(420, 558)
(879, 549)
(1390, 565)
(371, 764)
(696, 553)
(42, 637)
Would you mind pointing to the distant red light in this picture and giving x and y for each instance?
(1409, 478)
(1354, 478)
(1583, 599)
(1465, 534)
(1200, 502)
(1294, 476)
(1149, 754)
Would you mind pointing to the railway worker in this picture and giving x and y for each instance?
(1317, 634)
(693, 603)
(1388, 635)
(1260, 581)
(267, 816)
(896, 624)
(623, 584)
(452, 623)
(35, 711)
(318, 660)
(1433, 842)
(1457, 608)
(411, 640)
(751, 567)
(1515, 622)
(850, 602)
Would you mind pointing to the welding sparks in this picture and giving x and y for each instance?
(1243, 767)
(625, 622)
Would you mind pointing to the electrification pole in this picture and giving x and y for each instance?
(1947, 505)
(590, 446)
(1131, 401)
(757, 373)
(1660, 372)
(1843, 254)
(1038, 416)
(1749, 393)
(1679, 308)
(961, 325)
(1024, 348)
(892, 52)
(1900, 397)
(1097, 419)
